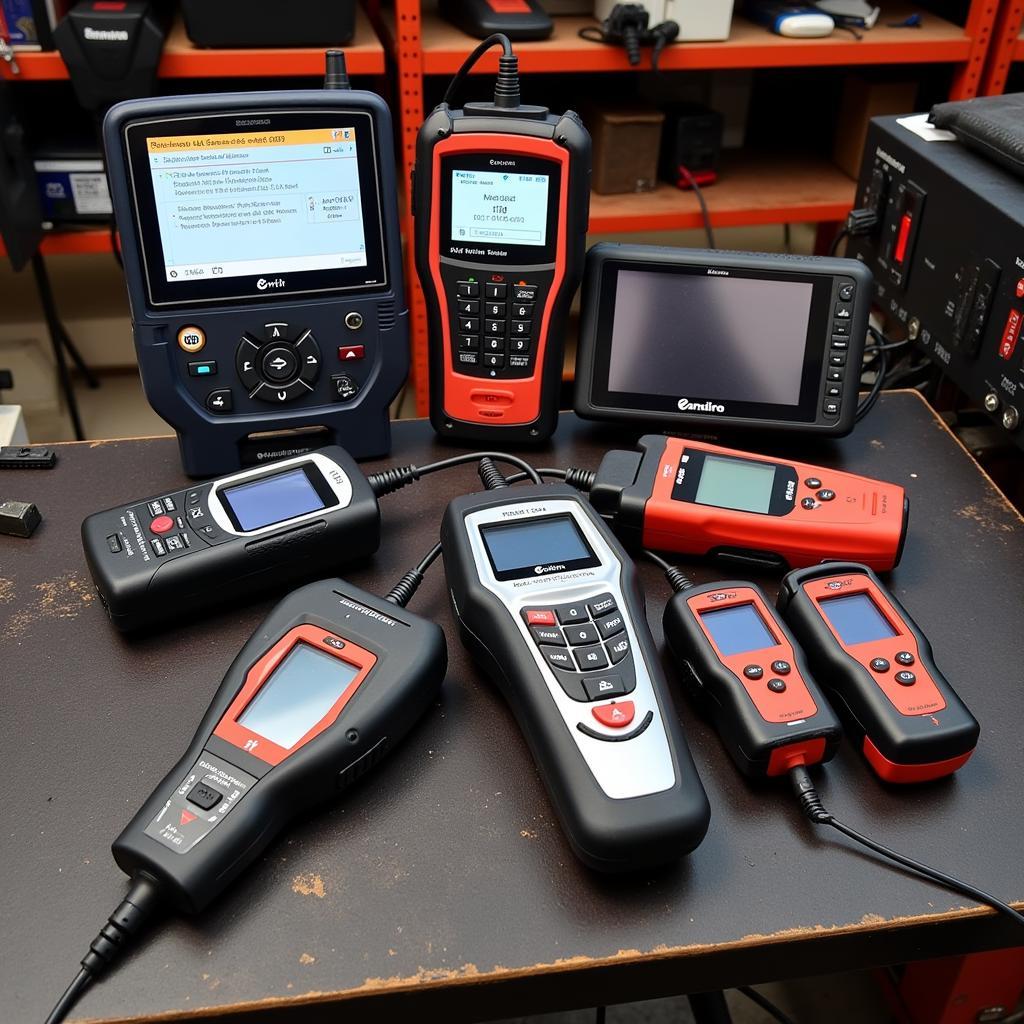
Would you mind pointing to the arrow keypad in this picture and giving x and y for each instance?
(581, 640)
(278, 364)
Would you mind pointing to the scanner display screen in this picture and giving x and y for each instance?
(730, 339)
(736, 483)
(857, 619)
(271, 499)
(549, 544)
(299, 692)
(494, 206)
(738, 630)
(270, 203)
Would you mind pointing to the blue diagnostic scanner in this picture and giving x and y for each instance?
(263, 259)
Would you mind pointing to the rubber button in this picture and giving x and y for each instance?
(615, 716)
(826, 494)
(548, 635)
(539, 617)
(489, 397)
(571, 613)
(781, 668)
(162, 524)
(204, 796)
(777, 685)
(808, 503)
(753, 671)
(813, 482)
(600, 687)
(191, 339)
(904, 658)
(905, 678)
(879, 665)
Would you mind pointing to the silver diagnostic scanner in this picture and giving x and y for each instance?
(549, 604)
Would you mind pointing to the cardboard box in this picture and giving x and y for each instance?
(864, 98)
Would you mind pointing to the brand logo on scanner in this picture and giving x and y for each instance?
(541, 569)
(263, 284)
(106, 35)
(685, 405)
(501, 163)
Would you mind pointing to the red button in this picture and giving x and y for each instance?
(162, 524)
(1020, 288)
(351, 352)
(540, 617)
(1010, 334)
(902, 237)
(616, 715)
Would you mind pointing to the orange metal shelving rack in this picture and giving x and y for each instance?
(1007, 47)
(763, 190)
(755, 190)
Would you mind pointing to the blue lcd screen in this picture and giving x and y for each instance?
(515, 546)
(272, 499)
(856, 618)
(299, 692)
(738, 629)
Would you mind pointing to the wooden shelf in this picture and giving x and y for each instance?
(752, 189)
(750, 46)
(364, 55)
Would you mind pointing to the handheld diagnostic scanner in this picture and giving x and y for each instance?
(878, 667)
(260, 241)
(174, 554)
(549, 605)
(744, 668)
(325, 687)
(501, 199)
(700, 499)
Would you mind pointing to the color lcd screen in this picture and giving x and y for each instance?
(494, 206)
(736, 483)
(257, 203)
(857, 619)
(738, 629)
(299, 692)
(731, 339)
(272, 499)
(553, 541)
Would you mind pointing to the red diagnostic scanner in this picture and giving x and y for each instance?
(863, 645)
(501, 200)
(699, 499)
(746, 670)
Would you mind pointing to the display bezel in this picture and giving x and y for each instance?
(161, 293)
(522, 572)
(691, 467)
(816, 344)
(500, 253)
(316, 479)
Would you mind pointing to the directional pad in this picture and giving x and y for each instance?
(274, 365)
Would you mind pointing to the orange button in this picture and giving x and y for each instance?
(162, 524)
(540, 617)
(191, 339)
(616, 715)
(491, 397)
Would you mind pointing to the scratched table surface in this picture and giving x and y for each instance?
(442, 883)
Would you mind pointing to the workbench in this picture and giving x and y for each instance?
(442, 884)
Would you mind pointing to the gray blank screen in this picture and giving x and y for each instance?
(735, 483)
(299, 692)
(728, 338)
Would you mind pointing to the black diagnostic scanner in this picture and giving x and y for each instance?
(173, 554)
(325, 687)
(261, 249)
(550, 606)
